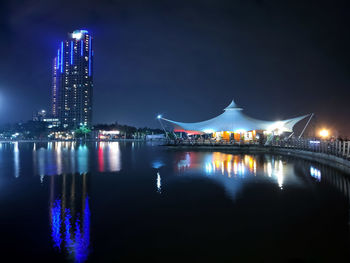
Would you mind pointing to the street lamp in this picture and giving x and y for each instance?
(324, 133)
(159, 117)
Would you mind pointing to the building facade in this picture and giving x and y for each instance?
(72, 85)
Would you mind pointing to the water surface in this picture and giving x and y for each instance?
(109, 202)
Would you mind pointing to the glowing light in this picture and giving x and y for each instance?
(58, 59)
(81, 47)
(208, 131)
(159, 116)
(157, 164)
(240, 131)
(71, 52)
(324, 133)
(314, 142)
(62, 60)
(90, 56)
(110, 132)
(78, 34)
(278, 128)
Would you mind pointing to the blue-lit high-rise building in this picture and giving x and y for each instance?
(73, 81)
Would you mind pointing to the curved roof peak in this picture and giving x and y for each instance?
(233, 106)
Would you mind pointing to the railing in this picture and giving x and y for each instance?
(202, 142)
(336, 148)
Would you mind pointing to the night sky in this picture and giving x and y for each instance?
(185, 59)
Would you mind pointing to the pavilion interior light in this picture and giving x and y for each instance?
(208, 131)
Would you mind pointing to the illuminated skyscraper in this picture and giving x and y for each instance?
(73, 80)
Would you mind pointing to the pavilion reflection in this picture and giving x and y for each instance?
(70, 216)
(233, 168)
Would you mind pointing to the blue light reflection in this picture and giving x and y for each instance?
(71, 234)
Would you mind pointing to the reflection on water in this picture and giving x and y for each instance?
(64, 169)
(159, 183)
(71, 157)
(315, 173)
(232, 170)
(111, 150)
(16, 159)
(70, 216)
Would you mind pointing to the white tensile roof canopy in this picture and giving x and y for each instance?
(234, 120)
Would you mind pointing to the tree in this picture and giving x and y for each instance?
(81, 132)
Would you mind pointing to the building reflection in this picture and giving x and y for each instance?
(70, 216)
(71, 157)
(109, 157)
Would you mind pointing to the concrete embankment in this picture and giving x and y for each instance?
(327, 159)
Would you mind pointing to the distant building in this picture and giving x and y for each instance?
(39, 115)
(51, 122)
(72, 84)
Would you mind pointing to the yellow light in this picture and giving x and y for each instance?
(324, 133)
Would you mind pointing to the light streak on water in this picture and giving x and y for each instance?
(114, 157)
(159, 183)
(315, 173)
(16, 159)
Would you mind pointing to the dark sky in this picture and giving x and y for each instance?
(185, 59)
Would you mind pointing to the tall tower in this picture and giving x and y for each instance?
(73, 81)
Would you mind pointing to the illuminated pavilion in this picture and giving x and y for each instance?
(233, 123)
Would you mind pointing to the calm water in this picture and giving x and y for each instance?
(126, 202)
